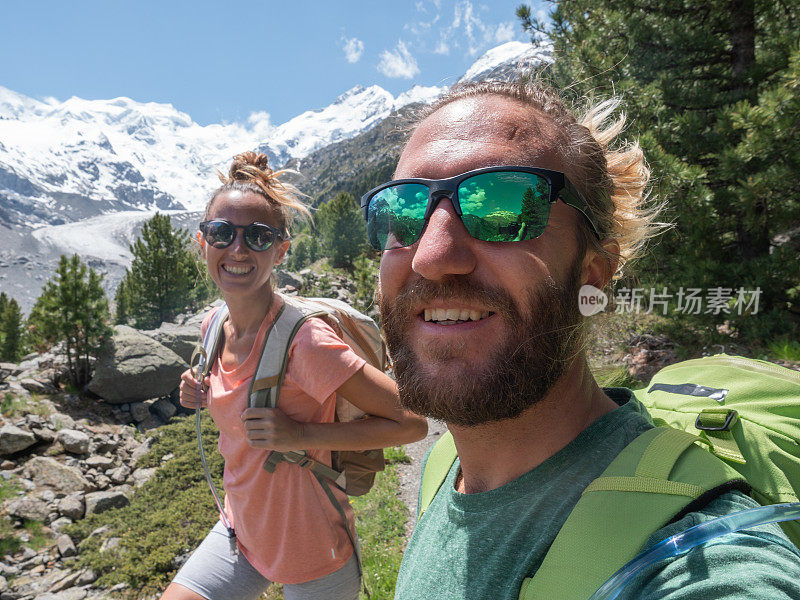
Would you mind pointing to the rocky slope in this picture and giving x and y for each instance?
(64, 457)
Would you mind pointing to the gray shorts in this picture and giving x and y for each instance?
(213, 573)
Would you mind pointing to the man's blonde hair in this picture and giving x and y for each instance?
(612, 176)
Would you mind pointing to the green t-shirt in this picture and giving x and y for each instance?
(481, 546)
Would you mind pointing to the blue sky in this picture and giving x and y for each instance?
(220, 62)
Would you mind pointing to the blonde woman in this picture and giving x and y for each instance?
(287, 529)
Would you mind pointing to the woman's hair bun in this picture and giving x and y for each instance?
(250, 172)
(252, 167)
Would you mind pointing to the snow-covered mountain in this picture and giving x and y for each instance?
(82, 174)
(61, 162)
(67, 161)
(502, 61)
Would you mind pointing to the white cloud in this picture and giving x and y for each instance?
(471, 32)
(353, 49)
(504, 32)
(260, 124)
(398, 63)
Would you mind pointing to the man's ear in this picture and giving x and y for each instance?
(598, 269)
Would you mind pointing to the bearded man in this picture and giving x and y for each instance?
(503, 206)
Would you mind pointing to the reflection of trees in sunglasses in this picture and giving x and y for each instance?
(500, 207)
(257, 236)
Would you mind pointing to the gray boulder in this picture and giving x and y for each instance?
(164, 409)
(181, 339)
(13, 439)
(74, 441)
(142, 476)
(72, 507)
(139, 411)
(101, 463)
(48, 472)
(7, 369)
(28, 507)
(120, 474)
(66, 547)
(62, 421)
(60, 523)
(35, 386)
(284, 278)
(98, 502)
(196, 320)
(134, 367)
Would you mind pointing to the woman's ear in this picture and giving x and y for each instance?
(281, 254)
(201, 240)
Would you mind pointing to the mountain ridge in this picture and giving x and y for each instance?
(82, 175)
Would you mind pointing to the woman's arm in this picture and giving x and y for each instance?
(374, 392)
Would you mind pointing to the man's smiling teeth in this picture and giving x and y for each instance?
(237, 270)
(454, 314)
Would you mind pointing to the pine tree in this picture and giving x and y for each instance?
(159, 284)
(121, 304)
(73, 309)
(707, 86)
(342, 229)
(11, 325)
(3, 306)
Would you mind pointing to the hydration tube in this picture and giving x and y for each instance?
(198, 372)
(234, 547)
(681, 543)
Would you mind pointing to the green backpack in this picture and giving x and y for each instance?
(744, 411)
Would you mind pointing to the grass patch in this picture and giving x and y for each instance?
(39, 539)
(11, 405)
(396, 455)
(617, 377)
(784, 349)
(167, 516)
(9, 542)
(8, 489)
(380, 520)
(173, 512)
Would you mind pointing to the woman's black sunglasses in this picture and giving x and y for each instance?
(258, 236)
(496, 204)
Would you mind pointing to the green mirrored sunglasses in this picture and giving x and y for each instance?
(496, 204)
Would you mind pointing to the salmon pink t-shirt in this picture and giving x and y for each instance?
(286, 526)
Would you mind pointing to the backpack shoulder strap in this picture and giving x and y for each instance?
(266, 384)
(656, 479)
(206, 352)
(440, 461)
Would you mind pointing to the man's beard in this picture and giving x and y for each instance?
(516, 375)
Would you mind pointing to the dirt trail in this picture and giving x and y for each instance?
(409, 473)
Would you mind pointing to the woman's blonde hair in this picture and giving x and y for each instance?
(612, 177)
(250, 172)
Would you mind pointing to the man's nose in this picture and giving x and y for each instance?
(445, 247)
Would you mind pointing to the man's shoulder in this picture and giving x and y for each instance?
(759, 562)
